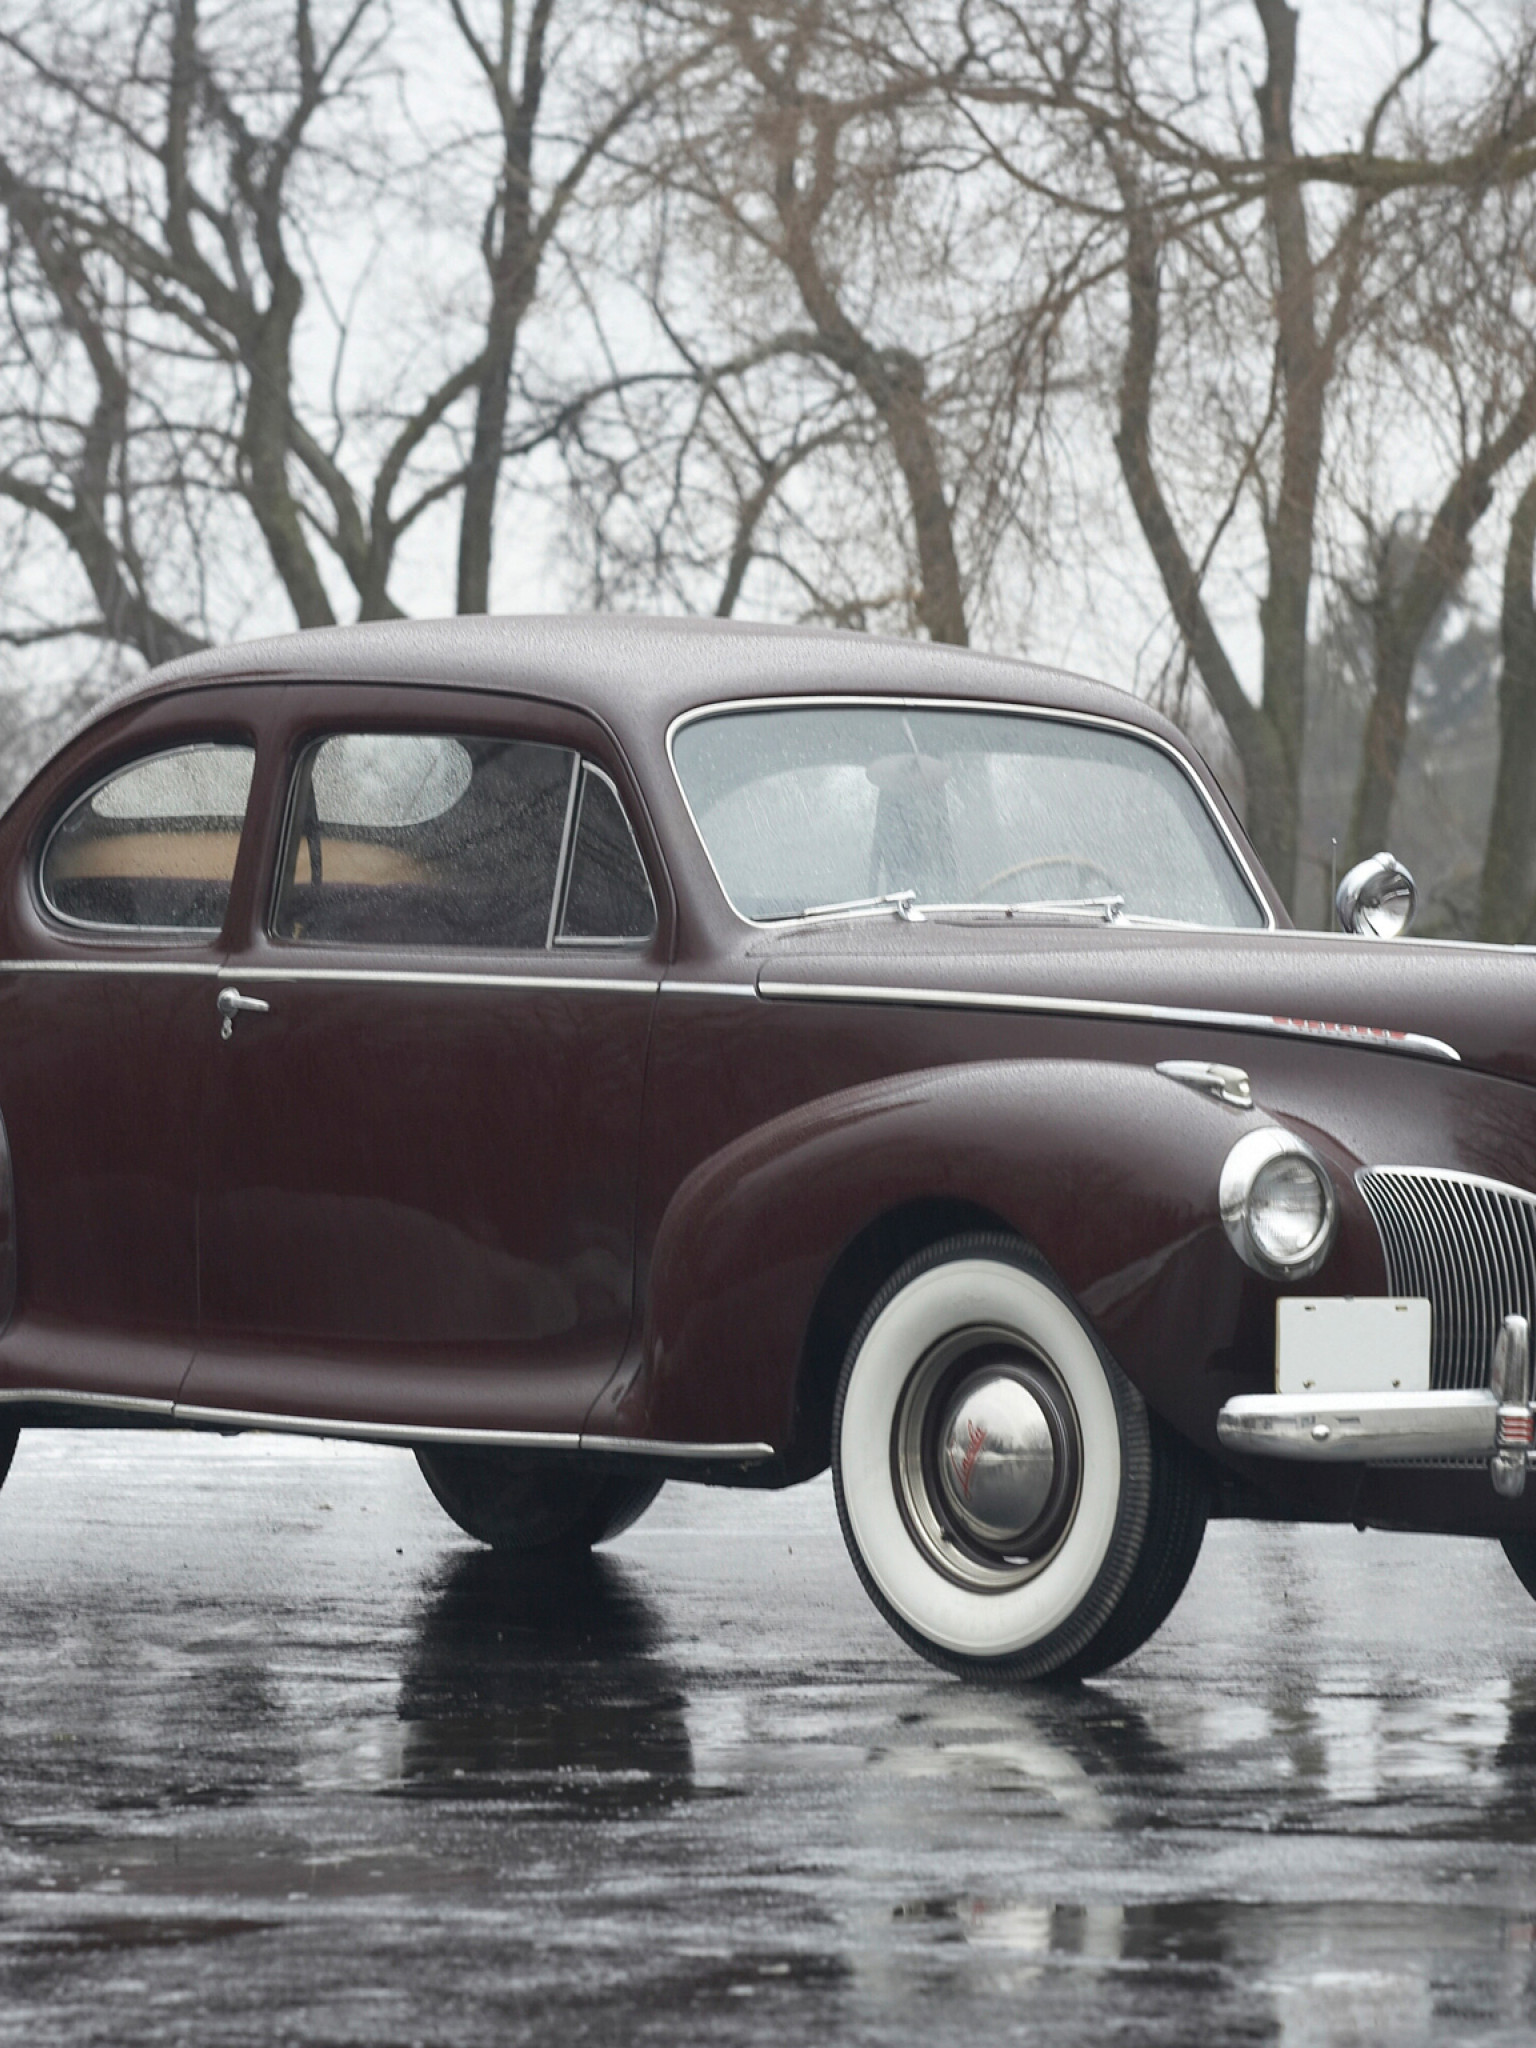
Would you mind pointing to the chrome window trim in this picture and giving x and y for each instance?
(1094, 719)
(306, 751)
(1364, 1036)
(558, 938)
(567, 847)
(390, 977)
(173, 934)
(213, 970)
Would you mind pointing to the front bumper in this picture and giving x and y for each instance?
(1496, 1422)
(1362, 1428)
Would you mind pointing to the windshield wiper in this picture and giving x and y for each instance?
(902, 901)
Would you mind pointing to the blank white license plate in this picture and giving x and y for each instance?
(1351, 1344)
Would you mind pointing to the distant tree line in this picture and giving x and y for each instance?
(908, 317)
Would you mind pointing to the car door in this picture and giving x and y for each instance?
(418, 1184)
(121, 863)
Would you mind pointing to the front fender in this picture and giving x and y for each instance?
(1109, 1170)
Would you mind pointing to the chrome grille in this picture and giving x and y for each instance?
(1469, 1245)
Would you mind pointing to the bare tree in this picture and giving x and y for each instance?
(1226, 221)
(189, 174)
(75, 470)
(805, 170)
(1507, 909)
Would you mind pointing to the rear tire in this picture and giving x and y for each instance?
(522, 1504)
(8, 1441)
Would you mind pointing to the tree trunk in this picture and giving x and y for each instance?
(264, 439)
(903, 408)
(1507, 911)
(1304, 368)
(1269, 770)
(512, 247)
(1395, 648)
(483, 473)
(1403, 617)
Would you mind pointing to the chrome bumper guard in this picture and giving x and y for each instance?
(1496, 1422)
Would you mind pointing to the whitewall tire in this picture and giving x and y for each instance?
(991, 1462)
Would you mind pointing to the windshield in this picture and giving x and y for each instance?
(805, 808)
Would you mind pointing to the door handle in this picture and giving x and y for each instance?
(230, 1005)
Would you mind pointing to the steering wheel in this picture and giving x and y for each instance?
(1079, 861)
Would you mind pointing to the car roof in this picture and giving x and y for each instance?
(643, 672)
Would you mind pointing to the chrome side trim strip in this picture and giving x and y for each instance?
(133, 1404)
(694, 1454)
(433, 978)
(385, 976)
(1353, 1428)
(205, 967)
(1372, 1037)
(711, 988)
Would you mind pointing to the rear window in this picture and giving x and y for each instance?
(152, 848)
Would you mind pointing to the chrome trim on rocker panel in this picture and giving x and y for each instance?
(130, 1404)
(377, 1432)
(1372, 1038)
(693, 1454)
(1040, 711)
(195, 1417)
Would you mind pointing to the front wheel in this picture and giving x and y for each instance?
(993, 1466)
(525, 1504)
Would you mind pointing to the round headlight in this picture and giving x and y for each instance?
(1277, 1204)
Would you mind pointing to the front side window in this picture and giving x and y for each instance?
(809, 807)
(152, 848)
(424, 840)
(608, 898)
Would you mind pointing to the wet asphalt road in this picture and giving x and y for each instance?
(285, 1759)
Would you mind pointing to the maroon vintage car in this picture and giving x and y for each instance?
(598, 1051)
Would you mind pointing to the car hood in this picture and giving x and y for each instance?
(1417, 996)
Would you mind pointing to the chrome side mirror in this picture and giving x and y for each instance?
(1377, 898)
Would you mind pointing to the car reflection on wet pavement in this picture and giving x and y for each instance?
(286, 1759)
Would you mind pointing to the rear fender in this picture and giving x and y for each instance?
(1110, 1171)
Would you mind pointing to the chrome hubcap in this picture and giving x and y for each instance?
(986, 1459)
(996, 1459)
